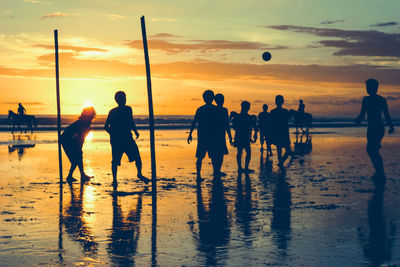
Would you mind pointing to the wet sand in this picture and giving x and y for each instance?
(323, 212)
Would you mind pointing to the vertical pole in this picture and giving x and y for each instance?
(151, 115)
(152, 149)
(58, 108)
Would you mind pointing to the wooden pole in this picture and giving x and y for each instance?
(151, 115)
(58, 108)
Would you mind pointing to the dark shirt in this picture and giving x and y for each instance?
(222, 121)
(120, 124)
(21, 110)
(280, 121)
(264, 122)
(75, 133)
(243, 124)
(301, 108)
(374, 105)
(206, 117)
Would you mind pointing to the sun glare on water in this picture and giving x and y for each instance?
(88, 104)
(89, 137)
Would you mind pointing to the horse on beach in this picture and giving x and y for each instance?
(301, 120)
(19, 120)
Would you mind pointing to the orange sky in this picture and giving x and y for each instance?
(317, 56)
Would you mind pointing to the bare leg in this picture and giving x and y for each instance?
(239, 158)
(198, 167)
(288, 152)
(114, 168)
(248, 157)
(71, 170)
(376, 159)
(279, 153)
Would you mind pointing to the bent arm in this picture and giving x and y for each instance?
(362, 112)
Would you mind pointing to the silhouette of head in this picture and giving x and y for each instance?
(120, 98)
(245, 106)
(19, 104)
(88, 114)
(372, 86)
(279, 100)
(265, 107)
(219, 99)
(208, 96)
(301, 101)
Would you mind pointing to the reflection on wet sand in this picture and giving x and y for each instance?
(21, 146)
(125, 232)
(213, 233)
(244, 208)
(378, 245)
(76, 222)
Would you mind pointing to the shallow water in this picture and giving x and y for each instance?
(323, 212)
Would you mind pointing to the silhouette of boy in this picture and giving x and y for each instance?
(119, 125)
(301, 106)
(280, 121)
(223, 128)
(264, 126)
(244, 124)
(206, 118)
(72, 140)
(374, 105)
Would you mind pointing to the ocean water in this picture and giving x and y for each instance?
(324, 211)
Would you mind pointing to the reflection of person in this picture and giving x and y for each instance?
(280, 121)
(244, 124)
(374, 105)
(125, 233)
(119, 125)
(223, 128)
(72, 140)
(264, 126)
(21, 110)
(205, 118)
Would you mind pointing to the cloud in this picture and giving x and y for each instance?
(115, 17)
(332, 21)
(202, 45)
(163, 20)
(32, 1)
(164, 35)
(58, 15)
(71, 48)
(385, 24)
(352, 43)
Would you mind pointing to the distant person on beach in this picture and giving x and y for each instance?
(223, 128)
(21, 110)
(264, 127)
(280, 120)
(301, 106)
(374, 105)
(244, 124)
(206, 118)
(72, 140)
(120, 124)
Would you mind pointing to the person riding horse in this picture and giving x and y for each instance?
(21, 110)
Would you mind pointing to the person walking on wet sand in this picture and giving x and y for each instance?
(280, 120)
(72, 140)
(119, 125)
(205, 118)
(374, 105)
(264, 127)
(223, 128)
(244, 124)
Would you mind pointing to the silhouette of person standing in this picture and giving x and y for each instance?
(21, 110)
(374, 105)
(244, 124)
(223, 128)
(206, 118)
(301, 106)
(280, 121)
(264, 126)
(72, 140)
(119, 125)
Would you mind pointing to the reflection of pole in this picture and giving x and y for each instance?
(58, 107)
(152, 148)
(60, 230)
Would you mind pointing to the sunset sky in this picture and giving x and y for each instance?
(322, 51)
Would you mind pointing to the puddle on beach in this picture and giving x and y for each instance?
(323, 212)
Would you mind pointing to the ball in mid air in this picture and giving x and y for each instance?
(266, 56)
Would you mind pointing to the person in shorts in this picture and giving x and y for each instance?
(72, 140)
(119, 125)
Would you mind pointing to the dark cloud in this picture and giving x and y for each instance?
(352, 43)
(332, 21)
(201, 45)
(385, 24)
(71, 48)
(164, 35)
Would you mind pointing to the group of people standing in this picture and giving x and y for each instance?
(213, 124)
